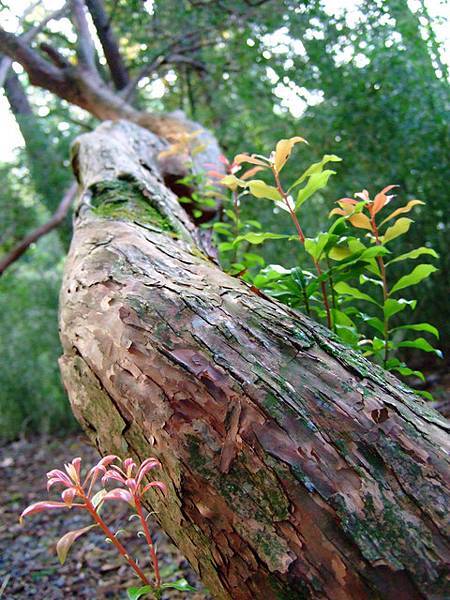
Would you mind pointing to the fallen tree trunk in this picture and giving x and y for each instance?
(295, 468)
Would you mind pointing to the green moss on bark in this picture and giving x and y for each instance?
(124, 200)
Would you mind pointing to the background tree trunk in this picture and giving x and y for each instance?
(295, 468)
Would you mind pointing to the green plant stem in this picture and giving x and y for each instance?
(110, 535)
(306, 301)
(323, 288)
(237, 224)
(382, 267)
(301, 238)
(148, 537)
(333, 293)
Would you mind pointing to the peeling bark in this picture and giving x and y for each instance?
(295, 468)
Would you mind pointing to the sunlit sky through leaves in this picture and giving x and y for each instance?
(295, 99)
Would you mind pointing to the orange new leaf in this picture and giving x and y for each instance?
(381, 199)
(360, 221)
(241, 158)
(283, 151)
(402, 210)
(251, 172)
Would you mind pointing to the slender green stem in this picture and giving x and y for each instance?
(237, 223)
(333, 293)
(382, 267)
(301, 238)
(151, 547)
(323, 288)
(306, 301)
(110, 535)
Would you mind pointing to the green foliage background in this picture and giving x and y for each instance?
(374, 90)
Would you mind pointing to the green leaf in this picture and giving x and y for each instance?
(420, 344)
(373, 252)
(393, 363)
(269, 274)
(343, 288)
(392, 306)
(260, 189)
(354, 252)
(340, 318)
(224, 228)
(364, 279)
(97, 499)
(226, 246)
(407, 372)
(419, 327)
(232, 182)
(316, 246)
(181, 585)
(356, 245)
(315, 168)
(65, 543)
(253, 259)
(134, 593)
(378, 344)
(258, 238)
(299, 277)
(338, 227)
(424, 394)
(316, 182)
(236, 268)
(400, 227)
(416, 276)
(340, 253)
(375, 323)
(345, 327)
(253, 223)
(413, 254)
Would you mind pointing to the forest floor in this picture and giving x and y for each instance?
(29, 567)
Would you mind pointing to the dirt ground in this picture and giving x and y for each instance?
(29, 567)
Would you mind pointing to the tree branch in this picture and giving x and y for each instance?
(186, 60)
(77, 85)
(54, 55)
(86, 49)
(28, 36)
(16, 96)
(40, 71)
(117, 68)
(84, 88)
(56, 219)
(172, 53)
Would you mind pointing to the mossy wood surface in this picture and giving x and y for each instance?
(295, 468)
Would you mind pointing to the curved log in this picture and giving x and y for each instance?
(295, 468)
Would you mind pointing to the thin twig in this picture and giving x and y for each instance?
(32, 237)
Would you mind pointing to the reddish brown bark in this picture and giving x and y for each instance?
(295, 468)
